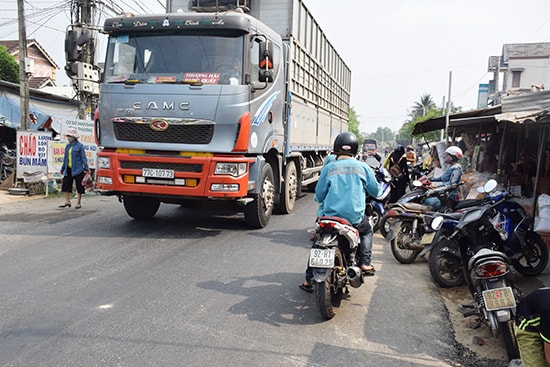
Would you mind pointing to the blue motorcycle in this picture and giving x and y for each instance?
(376, 206)
(527, 251)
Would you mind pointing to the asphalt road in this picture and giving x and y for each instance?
(195, 287)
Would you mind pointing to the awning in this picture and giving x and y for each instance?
(43, 108)
(466, 120)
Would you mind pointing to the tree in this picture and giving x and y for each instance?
(422, 107)
(421, 111)
(353, 124)
(382, 134)
(9, 67)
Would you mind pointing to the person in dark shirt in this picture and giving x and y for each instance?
(533, 328)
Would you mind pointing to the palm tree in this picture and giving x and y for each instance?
(422, 107)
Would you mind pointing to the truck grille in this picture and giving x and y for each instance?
(178, 167)
(179, 134)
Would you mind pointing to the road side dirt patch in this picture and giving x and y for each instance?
(479, 340)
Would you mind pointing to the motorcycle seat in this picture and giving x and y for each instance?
(334, 219)
(468, 203)
(453, 215)
(414, 207)
(486, 254)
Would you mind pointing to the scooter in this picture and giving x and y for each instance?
(525, 248)
(334, 262)
(379, 203)
(486, 267)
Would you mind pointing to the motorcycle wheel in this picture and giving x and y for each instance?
(510, 340)
(376, 219)
(446, 272)
(384, 225)
(400, 245)
(534, 260)
(328, 295)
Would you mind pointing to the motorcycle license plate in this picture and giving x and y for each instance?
(321, 258)
(427, 238)
(496, 299)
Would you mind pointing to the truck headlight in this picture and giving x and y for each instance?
(103, 162)
(233, 169)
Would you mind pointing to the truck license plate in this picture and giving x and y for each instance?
(496, 299)
(321, 258)
(157, 173)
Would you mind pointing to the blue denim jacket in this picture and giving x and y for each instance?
(79, 160)
(451, 176)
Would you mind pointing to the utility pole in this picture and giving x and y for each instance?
(448, 112)
(80, 49)
(23, 79)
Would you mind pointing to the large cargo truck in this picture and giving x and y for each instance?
(218, 100)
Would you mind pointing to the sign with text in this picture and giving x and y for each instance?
(56, 153)
(32, 152)
(85, 129)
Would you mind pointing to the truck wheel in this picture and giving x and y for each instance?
(290, 189)
(258, 212)
(141, 207)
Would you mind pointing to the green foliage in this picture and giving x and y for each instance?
(382, 135)
(353, 124)
(422, 107)
(9, 68)
(422, 110)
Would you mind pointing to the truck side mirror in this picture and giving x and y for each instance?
(266, 62)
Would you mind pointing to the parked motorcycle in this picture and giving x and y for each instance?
(411, 233)
(7, 162)
(486, 268)
(334, 262)
(378, 204)
(525, 248)
(422, 191)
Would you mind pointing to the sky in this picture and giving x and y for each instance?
(397, 50)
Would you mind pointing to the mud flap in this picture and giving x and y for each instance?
(321, 274)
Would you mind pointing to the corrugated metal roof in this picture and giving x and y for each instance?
(457, 119)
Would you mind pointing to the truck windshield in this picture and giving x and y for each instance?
(193, 59)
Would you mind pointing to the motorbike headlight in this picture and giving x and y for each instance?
(437, 222)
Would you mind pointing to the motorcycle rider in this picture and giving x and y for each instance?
(410, 154)
(451, 176)
(399, 183)
(341, 192)
(533, 328)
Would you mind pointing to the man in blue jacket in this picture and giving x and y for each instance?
(341, 192)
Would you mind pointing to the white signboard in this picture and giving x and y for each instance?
(85, 129)
(32, 152)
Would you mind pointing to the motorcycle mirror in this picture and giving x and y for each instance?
(437, 223)
(490, 185)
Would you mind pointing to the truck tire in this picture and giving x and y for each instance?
(141, 207)
(258, 212)
(290, 190)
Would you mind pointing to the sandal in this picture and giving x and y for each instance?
(306, 287)
(368, 270)
(64, 206)
(78, 207)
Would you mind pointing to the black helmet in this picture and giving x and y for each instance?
(346, 143)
